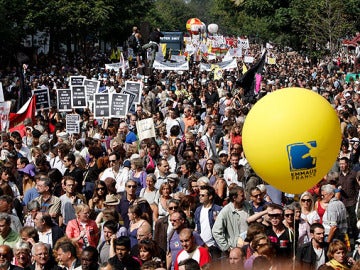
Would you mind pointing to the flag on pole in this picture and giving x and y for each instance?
(248, 80)
(26, 111)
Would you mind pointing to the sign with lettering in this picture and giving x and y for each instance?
(119, 105)
(64, 100)
(42, 98)
(102, 105)
(78, 97)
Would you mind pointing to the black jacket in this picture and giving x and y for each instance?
(306, 256)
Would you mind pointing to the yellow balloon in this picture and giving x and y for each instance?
(291, 138)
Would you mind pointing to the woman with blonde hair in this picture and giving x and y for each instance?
(308, 212)
(82, 229)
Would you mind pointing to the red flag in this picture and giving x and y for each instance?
(26, 111)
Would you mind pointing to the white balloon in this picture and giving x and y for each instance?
(213, 28)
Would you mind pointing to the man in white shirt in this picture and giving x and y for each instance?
(165, 153)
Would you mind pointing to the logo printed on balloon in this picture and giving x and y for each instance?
(302, 161)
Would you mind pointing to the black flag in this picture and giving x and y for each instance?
(247, 81)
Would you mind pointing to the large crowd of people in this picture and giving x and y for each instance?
(185, 199)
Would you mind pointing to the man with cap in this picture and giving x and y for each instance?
(223, 158)
(173, 180)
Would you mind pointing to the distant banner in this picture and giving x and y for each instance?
(226, 65)
(145, 129)
(73, 123)
(76, 80)
(1, 93)
(117, 66)
(119, 105)
(184, 65)
(101, 105)
(78, 97)
(4, 115)
(91, 88)
(135, 88)
(249, 59)
(64, 98)
(42, 98)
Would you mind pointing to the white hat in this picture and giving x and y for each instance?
(63, 135)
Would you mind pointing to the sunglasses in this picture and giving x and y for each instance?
(173, 208)
(306, 200)
(132, 186)
(202, 195)
(256, 195)
(289, 215)
(100, 188)
(274, 215)
(112, 161)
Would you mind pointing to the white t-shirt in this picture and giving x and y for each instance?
(206, 234)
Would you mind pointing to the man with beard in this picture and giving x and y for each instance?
(6, 257)
(313, 254)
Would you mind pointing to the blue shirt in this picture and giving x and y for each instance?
(29, 195)
(130, 137)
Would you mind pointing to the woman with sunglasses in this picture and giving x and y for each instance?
(96, 203)
(308, 212)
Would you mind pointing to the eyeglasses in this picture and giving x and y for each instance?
(289, 215)
(174, 220)
(274, 215)
(173, 208)
(306, 200)
(132, 186)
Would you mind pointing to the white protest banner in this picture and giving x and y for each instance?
(184, 65)
(76, 80)
(225, 65)
(1, 93)
(73, 123)
(145, 129)
(101, 105)
(119, 105)
(135, 88)
(42, 98)
(64, 98)
(78, 96)
(4, 115)
(243, 43)
(248, 59)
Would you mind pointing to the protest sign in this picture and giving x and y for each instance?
(145, 129)
(135, 88)
(73, 123)
(101, 105)
(42, 98)
(4, 115)
(119, 105)
(91, 87)
(76, 80)
(131, 98)
(64, 100)
(1, 93)
(78, 97)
